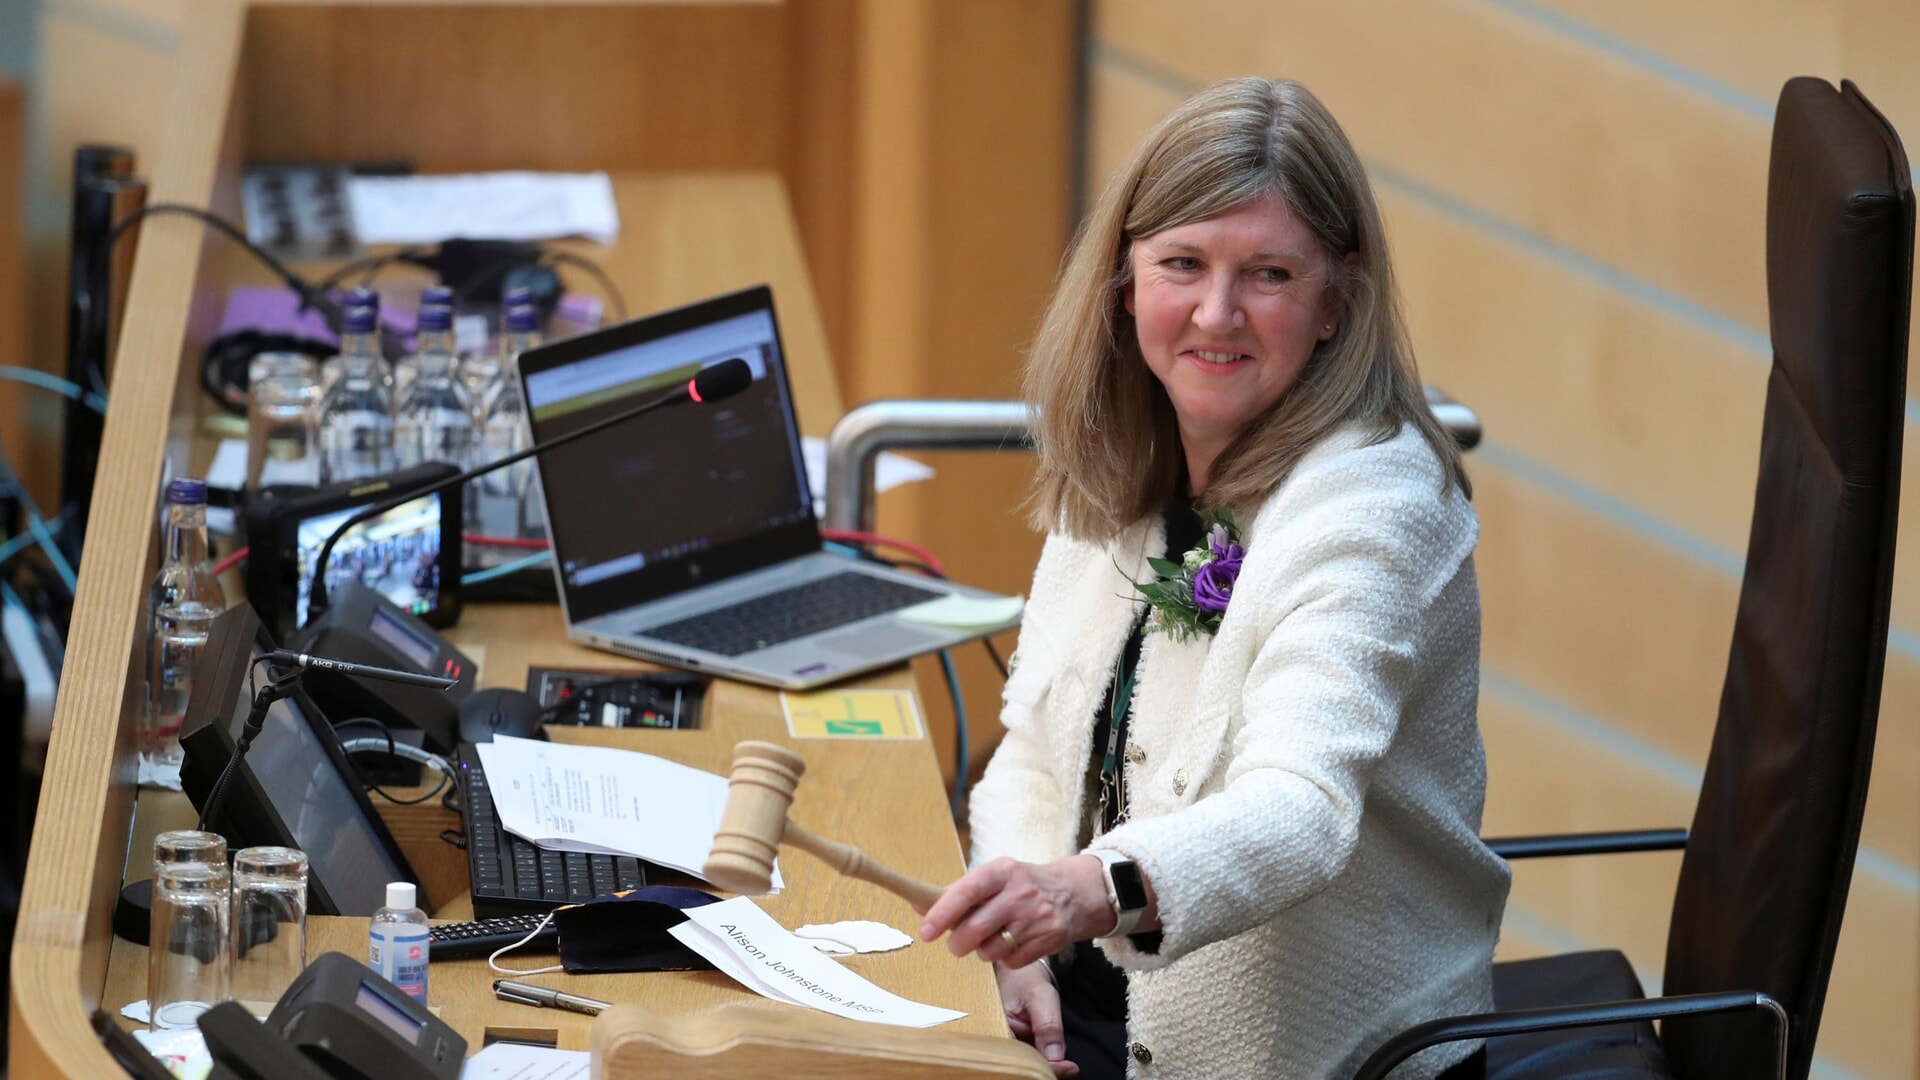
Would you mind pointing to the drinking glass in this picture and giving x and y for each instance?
(189, 952)
(283, 416)
(269, 924)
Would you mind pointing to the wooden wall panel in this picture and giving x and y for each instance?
(1578, 220)
(1501, 113)
(619, 87)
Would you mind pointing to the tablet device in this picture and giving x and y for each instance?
(295, 788)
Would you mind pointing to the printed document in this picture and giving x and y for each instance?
(760, 954)
(604, 801)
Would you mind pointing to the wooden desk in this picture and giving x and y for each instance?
(885, 796)
(685, 234)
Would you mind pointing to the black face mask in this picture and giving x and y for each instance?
(628, 932)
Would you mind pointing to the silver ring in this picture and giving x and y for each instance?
(1013, 943)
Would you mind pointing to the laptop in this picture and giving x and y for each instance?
(687, 536)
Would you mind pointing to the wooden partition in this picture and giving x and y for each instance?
(697, 110)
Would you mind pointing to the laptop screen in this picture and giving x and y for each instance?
(686, 495)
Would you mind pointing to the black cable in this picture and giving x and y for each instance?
(376, 788)
(998, 663)
(310, 296)
(607, 286)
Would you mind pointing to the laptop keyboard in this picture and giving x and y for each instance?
(776, 618)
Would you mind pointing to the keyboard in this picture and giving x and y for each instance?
(790, 614)
(466, 940)
(513, 876)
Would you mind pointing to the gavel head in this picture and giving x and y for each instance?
(759, 792)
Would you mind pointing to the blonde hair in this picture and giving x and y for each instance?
(1108, 441)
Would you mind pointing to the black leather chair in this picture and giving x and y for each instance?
(1763, 884)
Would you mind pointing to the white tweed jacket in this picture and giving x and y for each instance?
(1305, 787)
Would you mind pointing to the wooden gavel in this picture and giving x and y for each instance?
(754, 824)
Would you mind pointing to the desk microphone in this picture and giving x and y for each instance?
(304, 662)
(722, 380)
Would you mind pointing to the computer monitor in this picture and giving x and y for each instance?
(295, 787)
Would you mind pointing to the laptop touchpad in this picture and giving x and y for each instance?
(885, 638)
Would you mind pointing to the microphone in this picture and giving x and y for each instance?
(304, 662)
(711, 384)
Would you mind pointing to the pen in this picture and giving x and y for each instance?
(542, 998)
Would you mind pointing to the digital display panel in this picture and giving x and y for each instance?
(375, 1004)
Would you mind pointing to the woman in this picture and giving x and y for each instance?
(1238, 803)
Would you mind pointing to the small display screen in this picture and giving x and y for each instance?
(396, 554)
(375, 1004)
(401, 637)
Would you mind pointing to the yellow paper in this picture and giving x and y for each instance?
(851, 714)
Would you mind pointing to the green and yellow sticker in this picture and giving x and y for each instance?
(852, 714)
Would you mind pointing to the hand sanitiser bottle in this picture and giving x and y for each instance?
(397, 942)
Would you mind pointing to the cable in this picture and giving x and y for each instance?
(960, 741)
(38, 526)
(504, 569)
(227, 563)
(15, 546)
(56, 384)
(309, 295)
(854, 536)
(568, 258)
(995, 655)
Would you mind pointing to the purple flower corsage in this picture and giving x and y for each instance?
(1190, 597)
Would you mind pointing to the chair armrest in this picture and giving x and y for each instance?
(1520, 1021)
(1602, 843)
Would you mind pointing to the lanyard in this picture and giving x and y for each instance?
(1113, 793)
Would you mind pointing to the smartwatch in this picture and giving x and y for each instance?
(1126, 890)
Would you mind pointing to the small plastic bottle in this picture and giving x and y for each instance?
(397, 942)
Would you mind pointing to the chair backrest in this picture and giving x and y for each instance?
(1764, 881)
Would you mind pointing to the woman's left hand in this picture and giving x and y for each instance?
(1041, 908)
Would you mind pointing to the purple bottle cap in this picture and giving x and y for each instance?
(186, 492)
(516, 296)
(363, 297)
(436, 294)
(523, 319)
(435, 318)
(360, 320)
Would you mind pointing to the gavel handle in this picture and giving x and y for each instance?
(852, 862)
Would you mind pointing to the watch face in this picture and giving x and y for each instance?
(1128, 888)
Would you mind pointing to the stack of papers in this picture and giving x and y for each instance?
(764, 957)
(492, 206)
(606, 802)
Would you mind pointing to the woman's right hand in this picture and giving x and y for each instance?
(1032, 1003)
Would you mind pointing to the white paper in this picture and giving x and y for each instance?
(853, 936)
(890, 470)
(745, 942)
(137, 1011)
(228, 469)
(492, 206)
(182, 1051)
(518, 1061)
(605, 801)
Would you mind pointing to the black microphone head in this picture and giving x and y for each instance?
(722, 380)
